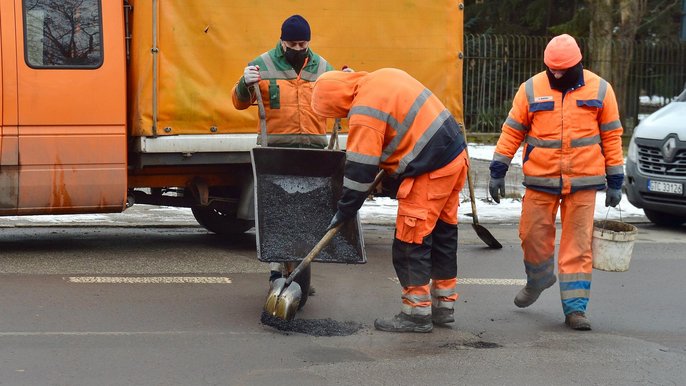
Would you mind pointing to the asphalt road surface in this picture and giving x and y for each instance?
(175, 305)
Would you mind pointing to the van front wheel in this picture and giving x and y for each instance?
(664, 219)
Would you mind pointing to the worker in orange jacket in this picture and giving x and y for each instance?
(285, 75)
(398, 125)
(568, 119)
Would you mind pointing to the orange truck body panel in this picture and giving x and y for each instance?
(70, 129)
(80, 140)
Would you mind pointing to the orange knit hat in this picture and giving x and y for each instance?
(562, 53)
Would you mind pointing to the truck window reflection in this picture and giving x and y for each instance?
(64, 33)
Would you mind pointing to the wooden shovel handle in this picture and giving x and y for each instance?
(475, 218)
(314, 252)
(328, 237)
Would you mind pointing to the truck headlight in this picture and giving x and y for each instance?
(633, 150)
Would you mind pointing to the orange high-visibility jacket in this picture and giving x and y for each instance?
(395, 123)
(286, 96)
(572, 142)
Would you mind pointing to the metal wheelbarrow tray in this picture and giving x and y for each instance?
(296, 191)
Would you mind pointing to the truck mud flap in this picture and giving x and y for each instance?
(296, 191)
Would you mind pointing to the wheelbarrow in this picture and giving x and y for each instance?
(296, 191)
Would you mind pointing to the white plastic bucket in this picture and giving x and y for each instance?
(613, 243)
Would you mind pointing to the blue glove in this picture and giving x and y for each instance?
(496, 186)
(337, 219)
(613, 197)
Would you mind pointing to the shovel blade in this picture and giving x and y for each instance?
(283, 300)
(486, 236)
(288, 302)
(273, 295)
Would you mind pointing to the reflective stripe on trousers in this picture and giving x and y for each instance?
(575, 259)
(418, 300)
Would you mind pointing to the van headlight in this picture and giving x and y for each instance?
(633, 150)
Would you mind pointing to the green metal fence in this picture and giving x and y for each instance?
(495, 66)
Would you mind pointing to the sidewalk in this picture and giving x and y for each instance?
(380, 211)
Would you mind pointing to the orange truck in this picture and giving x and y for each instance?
(107, 103)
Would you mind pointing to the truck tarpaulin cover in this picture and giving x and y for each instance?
(203, 46)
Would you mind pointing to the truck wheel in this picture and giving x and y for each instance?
(221, 223)
(303, 280)
(664, 219)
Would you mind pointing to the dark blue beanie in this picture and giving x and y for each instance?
(295, 28)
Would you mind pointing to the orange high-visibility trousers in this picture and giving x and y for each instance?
(575, 259)
(425, 244)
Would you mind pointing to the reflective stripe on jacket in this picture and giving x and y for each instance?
(572, 140)
(286, 96)
(395, 123)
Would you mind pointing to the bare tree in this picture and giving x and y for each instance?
(69, 30)
(618, 19)
(600, 43)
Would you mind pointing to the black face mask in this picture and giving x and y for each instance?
(296, 58)
(570, 79)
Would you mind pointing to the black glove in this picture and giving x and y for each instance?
(613, 197)
(337, 219)
(496, 186)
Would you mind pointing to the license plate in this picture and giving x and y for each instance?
(666, 187)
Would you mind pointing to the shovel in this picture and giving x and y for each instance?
(284, 296)
(482, 232)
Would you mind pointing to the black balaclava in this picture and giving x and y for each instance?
(296, 58)
(570, 79)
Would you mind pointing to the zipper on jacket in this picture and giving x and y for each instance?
(297, 94)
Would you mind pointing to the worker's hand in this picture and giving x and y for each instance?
(251, 75)
(496, 186)
(613, 197)
(347, 69)
(338, 218)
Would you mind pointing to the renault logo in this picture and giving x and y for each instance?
(669, 150)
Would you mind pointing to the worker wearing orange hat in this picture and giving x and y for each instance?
(568, 119)
(398, 125)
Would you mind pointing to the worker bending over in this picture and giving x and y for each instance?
(398, 125)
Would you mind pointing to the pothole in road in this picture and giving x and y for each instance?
(314, 327)
(475, 344)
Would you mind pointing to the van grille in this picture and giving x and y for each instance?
(651, 161)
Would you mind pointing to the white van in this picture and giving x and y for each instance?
(656, 165)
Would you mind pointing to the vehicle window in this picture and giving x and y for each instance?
(682, 96)
(63, 34)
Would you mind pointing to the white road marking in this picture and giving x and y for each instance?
(124, 333)
(475, 281)
(148, 280)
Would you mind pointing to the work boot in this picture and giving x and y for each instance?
(528, 295)
(577, 320)
(273, 275)
(442, 315)
(405, 323)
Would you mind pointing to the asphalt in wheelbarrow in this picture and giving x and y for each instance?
(294, 214)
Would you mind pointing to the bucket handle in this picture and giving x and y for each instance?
(602, 231)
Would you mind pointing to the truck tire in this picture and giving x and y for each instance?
(664, 219)
(216, 221)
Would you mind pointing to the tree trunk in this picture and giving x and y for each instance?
(600, 38)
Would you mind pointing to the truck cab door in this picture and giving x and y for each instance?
(71, 130)
(9, 176)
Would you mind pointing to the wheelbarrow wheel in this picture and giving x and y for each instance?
(303, 280)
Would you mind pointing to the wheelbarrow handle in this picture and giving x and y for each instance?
(261, 113)
(333, 141)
